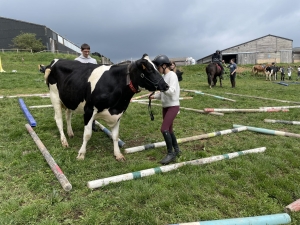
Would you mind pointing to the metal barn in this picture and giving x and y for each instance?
(10, 28)
(296, 55)
(266, 49)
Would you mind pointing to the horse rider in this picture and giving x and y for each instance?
(217, 58)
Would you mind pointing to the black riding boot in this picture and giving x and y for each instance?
(233, 84)
(177, 151)
(170, 156)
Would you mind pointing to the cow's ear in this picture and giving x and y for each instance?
(142, 64)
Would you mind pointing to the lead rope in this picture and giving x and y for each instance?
(149, 107)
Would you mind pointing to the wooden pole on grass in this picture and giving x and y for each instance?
(189, 109)
(182, 140)
(244, 110)
(26, 95)
(202, 93)
(293, 207)
(268, 131)
(143, 100)
(282, 121)
(250, 96)
(281, 107)
(148, 172)
(54, 167)
(40, 106)
(274, 219)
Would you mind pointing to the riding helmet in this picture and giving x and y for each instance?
(218, 51)
(160, 60)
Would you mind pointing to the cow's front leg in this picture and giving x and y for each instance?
(69, 124)
(58, 114)
(87, 134)
(115, 138)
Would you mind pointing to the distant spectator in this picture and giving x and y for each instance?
(298, 72)
(282, 73)
(174, 69)
(85, 55)
(289, 71)
(86, 58)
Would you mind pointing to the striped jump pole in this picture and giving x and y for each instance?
(54, 167)
(182, 140)
(189, 109)
(40, 106)
(163, 169)
(141, 96)
(281, 107)
(202, 93)
(273, 99)
(268, 131)
(108, 133)
(282, 121)
(244, 110)
(293, 207)
(27, 114)
(143, 100)
(274, 219)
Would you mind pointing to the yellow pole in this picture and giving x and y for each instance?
(1, 69)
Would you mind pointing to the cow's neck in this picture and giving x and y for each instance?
(129, 81)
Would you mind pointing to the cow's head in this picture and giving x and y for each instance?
(144, 73)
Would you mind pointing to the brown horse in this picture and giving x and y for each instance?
(213, 70)
(259, 69)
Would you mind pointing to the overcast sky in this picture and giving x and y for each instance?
(126, 29)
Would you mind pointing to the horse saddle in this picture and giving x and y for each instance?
(218, 67)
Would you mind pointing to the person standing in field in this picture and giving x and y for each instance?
(298, 72)
(175, 70)
(86, 58)
(289, 72)
(85, 55)
(170, 107)
(232, 68)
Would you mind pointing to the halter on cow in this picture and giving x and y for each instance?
(97, 92)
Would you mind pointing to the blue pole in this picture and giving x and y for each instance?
(27, 114)
(275, 219)
(108, 133)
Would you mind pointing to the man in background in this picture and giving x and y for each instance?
(86, 58)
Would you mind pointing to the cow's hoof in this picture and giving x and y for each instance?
(80, 156)
(120, 158)
(65, 143)
(71, 135)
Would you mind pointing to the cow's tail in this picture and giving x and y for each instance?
(46, 71)
(253, 69)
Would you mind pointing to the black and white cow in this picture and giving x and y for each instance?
(98, 92)
(271, 71)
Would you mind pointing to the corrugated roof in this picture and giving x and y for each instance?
(22, 21)
(296, 49)
(246, 43)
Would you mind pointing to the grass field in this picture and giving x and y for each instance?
(250, 185)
